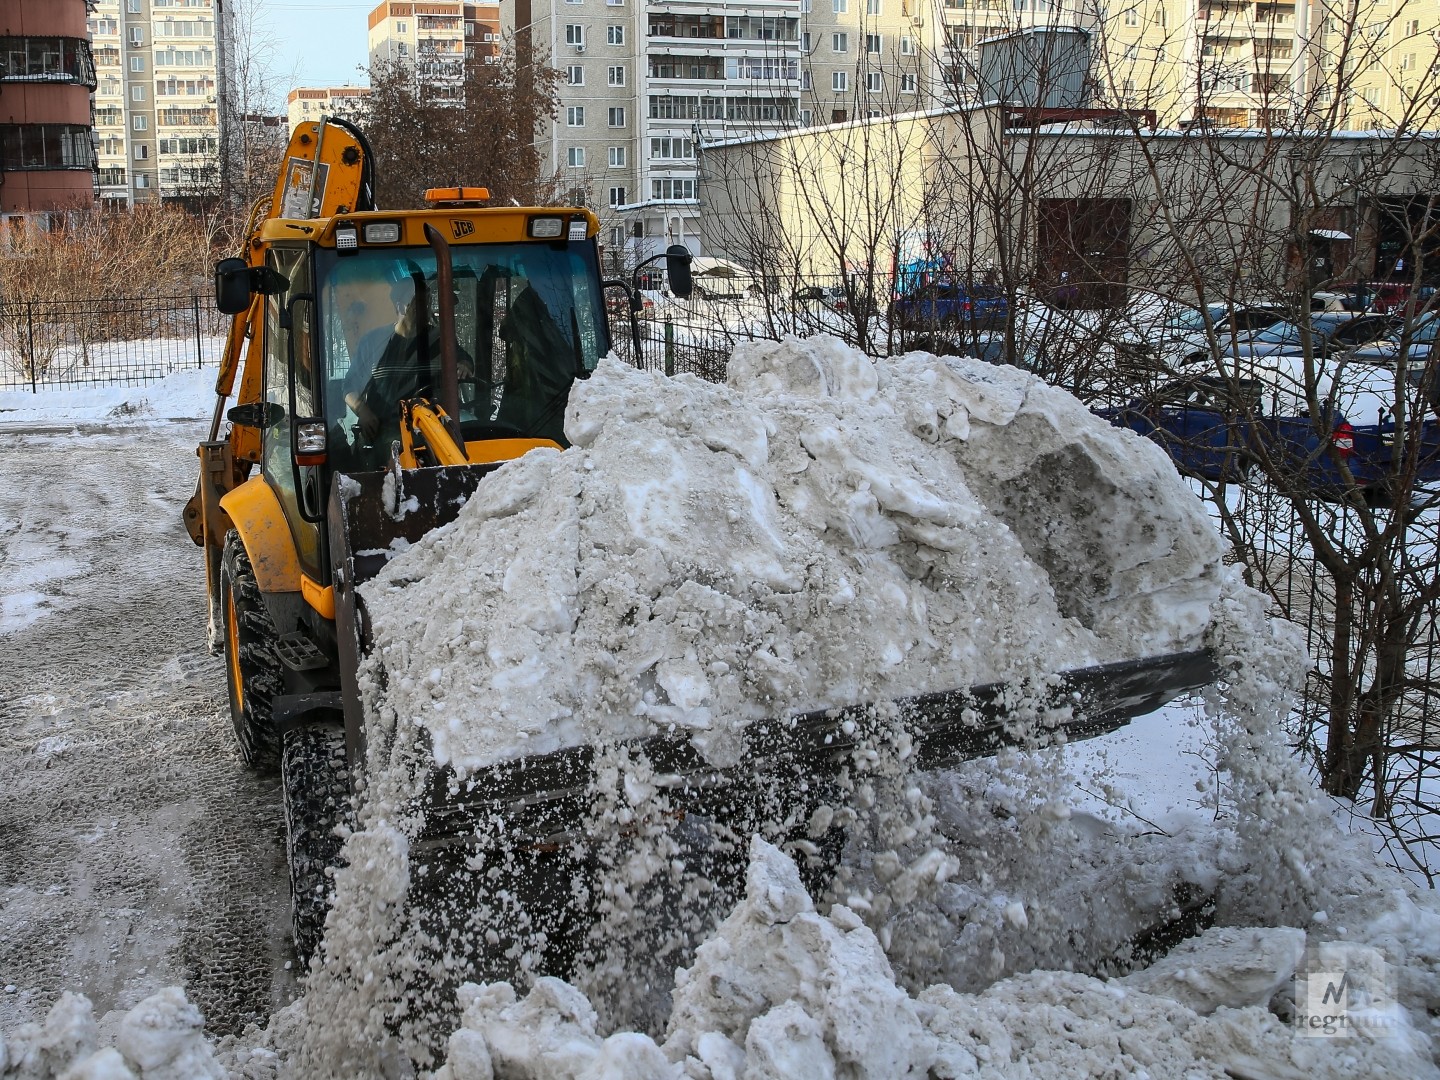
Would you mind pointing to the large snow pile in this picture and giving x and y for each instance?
(822, 531)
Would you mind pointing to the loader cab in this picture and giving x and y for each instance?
(529, 321)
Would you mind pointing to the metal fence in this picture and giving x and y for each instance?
(1378, 632)
(122, 341)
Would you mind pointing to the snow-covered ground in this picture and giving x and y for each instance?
(993, 922)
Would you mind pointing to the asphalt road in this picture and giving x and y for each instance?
(136, 851)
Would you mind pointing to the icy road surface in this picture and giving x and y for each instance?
(137, 851)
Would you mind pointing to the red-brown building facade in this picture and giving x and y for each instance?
(47, 156)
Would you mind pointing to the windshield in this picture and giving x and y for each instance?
(1281, 334)
(529, 319)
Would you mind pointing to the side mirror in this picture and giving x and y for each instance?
(256, 414)
(232, 286)
(677, 270)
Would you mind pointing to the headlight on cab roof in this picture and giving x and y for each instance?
(382, 232)
(547, 228)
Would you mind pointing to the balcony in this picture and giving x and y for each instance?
(688, 68)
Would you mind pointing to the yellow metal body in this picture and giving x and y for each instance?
(258, 517)
(425, 440)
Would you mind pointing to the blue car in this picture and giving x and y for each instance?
(950, 305)
(1216, 429)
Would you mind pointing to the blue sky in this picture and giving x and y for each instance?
(319, 42)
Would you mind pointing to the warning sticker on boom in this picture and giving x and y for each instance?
(299, 199)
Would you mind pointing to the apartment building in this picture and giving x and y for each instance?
(46, 75)
(435, 39)
(645, 85)
(157, 115)
(1241, 63)
(312, 102)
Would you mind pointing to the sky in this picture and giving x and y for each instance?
(317, 42)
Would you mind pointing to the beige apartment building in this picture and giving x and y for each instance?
(434, 38)
(1243, 63)
(646, 84)
(312, 102)
(157, 123)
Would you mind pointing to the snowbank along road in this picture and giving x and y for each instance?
(137, 851)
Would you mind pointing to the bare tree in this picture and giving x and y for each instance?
(482, 132)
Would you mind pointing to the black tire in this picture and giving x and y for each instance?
(252, 670)
(316, 781)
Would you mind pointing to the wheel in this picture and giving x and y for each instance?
(316, 782)
(251, 666)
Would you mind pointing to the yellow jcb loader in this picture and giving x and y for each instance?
(424, 348)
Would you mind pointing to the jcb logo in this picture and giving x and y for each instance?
(462, 228)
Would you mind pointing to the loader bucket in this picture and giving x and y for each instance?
(542, 796)
(534, 816)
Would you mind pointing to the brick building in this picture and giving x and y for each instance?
(47, 156)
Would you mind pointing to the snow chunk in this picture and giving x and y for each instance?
(1224, 968)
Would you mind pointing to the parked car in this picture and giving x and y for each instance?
(1417, 346)
(950, 305)
(831, 296)
(1180, 330)
(1217, 428)
(1384, 297)
(1329, 331)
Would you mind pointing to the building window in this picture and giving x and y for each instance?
(672, 148)
(617, 157)
(669, 188)
(840, 7)
(575, 157)
(141, 152)
(839, 81)
(839, 43)
(1132, 17)
(873, 84)
(615, 76)
(617, 198)
(907, 83)
(574, 1)
(805, 80)
(137, 63)
(139, 123)
(907, 46)
(575, 34)
(872, 7)
(615, 35)
(617, 116)
(575, 116)
(137, 36)
(872, 44)
(575, 75)
(807, 117)
(46, 146)
(133, 6)
(401, 26)
(137, 92)
(402, 49)
(805, 42)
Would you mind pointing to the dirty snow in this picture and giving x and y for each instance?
(822, 531)
(987, 923)
(183, 395)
